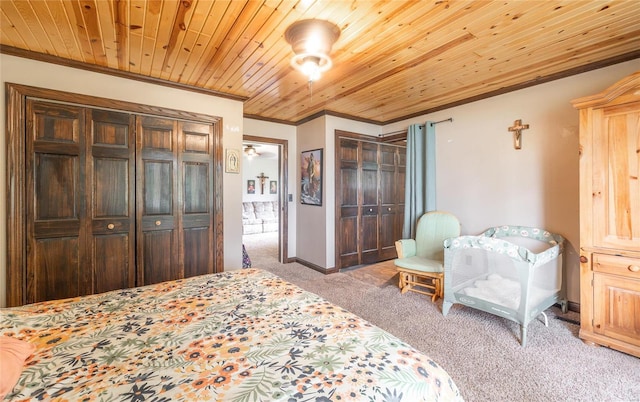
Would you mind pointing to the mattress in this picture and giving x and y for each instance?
(243, 335)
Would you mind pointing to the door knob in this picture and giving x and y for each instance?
(111, 226)
(158, 223)
(633, 268)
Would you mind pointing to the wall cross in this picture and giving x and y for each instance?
(262, 178)
(516, 129)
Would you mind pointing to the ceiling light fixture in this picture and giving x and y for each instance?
(250, 151)
(311, 41)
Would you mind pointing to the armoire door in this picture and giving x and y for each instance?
(616, 188)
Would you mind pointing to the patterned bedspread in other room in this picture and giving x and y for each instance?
(243, 335)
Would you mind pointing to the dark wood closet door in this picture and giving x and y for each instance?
(401, 171)
(369, 200)
(347, 234)
(369, 224)
(388, 201)
(99, 199)
(158, 223)
(196, 197)
(110, 199)
(55, 213)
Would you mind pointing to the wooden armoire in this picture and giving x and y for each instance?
(610, 216)
(370, 180)
(107, 195)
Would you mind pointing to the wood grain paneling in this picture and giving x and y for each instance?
(393, 60)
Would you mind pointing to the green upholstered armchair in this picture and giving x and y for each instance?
(420, 260)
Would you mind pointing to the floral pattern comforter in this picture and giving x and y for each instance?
(244, 335)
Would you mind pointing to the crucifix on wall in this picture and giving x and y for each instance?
(262, 178)
(516, 129)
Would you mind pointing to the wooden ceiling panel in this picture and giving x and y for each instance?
(394, 59)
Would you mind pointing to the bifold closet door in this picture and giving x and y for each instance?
(55, 211)
(391, 200)
(175, 199)
(80, 219)
(110, 199)
(158, 222)
(369, 205)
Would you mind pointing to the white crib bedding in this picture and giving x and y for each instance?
(504, 292)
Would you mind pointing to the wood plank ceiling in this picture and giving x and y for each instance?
(393, 60)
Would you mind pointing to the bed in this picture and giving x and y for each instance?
(244, 335)
(515, 272)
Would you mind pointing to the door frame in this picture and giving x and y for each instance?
(283, 178)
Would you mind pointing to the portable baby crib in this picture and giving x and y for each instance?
(513, 272)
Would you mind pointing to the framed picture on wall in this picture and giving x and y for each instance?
(232, 161)
(311, 177)
(251, 186)
(273, 187)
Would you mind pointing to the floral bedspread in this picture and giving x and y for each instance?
(244, 335)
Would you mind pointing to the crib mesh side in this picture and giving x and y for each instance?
(500, 279)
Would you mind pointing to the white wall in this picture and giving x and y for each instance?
(483, 180)
(312, 225)
(34, 73)
(259, 128)
(254, 167)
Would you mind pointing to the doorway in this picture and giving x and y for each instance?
(264, 197)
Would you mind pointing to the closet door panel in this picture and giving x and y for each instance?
(399, 196)
(196, 185)
(55, 213)
(55, 271)
(111, 200)
(369, 235)
(157, 188)
(347, 235)
(158, 223)
(56, 187)
(158, 260)
(388, 201)
(112, 262)
(196, 251)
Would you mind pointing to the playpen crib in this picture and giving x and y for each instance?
(513, 272)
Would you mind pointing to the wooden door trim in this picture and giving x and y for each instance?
(16, 96)
(283, 176)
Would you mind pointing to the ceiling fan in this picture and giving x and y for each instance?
(250, 151)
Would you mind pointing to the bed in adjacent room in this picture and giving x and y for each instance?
(243, 335)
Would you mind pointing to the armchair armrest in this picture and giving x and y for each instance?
(406, 248)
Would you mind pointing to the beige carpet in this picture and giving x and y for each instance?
(480, 351)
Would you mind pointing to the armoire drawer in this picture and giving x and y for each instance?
(617, 265)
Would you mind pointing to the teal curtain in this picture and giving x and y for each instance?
(420, 186)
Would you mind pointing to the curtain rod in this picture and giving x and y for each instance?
(433, 123)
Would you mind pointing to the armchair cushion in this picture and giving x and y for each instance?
(421, 264)
(406, 248)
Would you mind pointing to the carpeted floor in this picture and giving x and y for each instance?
(480, 351)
